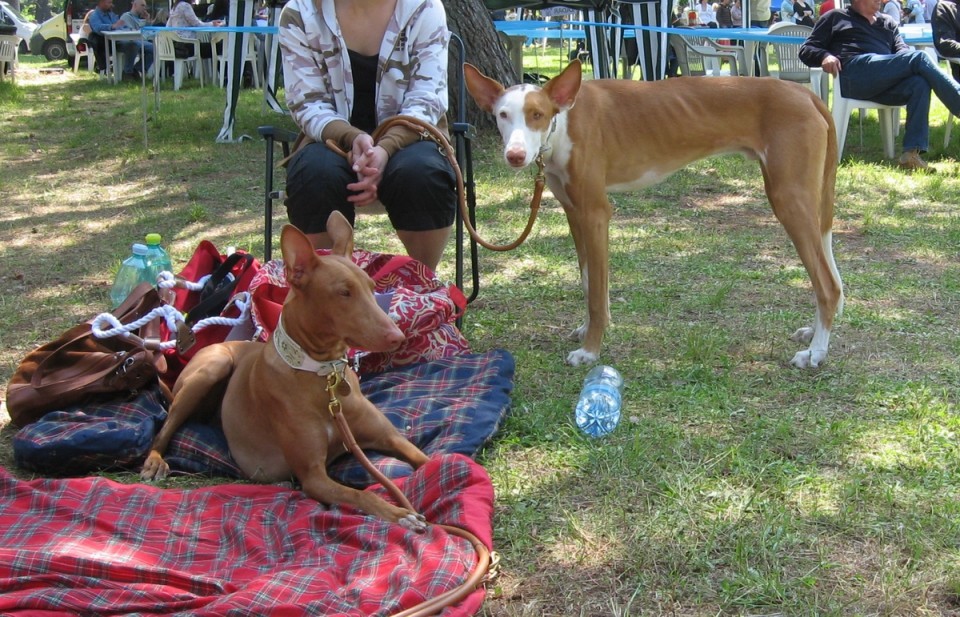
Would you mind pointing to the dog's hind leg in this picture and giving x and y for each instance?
(796, 200)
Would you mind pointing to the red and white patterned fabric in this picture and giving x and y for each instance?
(423, 308)
(91, 546)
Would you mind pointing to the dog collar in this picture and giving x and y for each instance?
(545, 146)
(294, 355)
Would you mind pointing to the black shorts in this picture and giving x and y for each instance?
(418, 188)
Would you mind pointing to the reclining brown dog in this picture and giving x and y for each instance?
(273, 397)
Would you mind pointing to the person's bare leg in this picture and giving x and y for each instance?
(426, 246)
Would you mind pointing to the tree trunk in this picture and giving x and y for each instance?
(471, 21)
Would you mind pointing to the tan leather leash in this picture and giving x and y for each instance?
(481, 572)
(428, 131)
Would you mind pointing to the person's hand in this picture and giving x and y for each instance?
(368, 162)
(831, 64)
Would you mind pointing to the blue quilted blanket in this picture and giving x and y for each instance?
(452, 405)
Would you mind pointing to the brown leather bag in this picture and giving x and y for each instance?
(78, 366)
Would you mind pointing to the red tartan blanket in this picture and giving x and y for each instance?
(94, 546)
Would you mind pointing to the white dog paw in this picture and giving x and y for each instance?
(802, 336)
(808, 358)
(414, 522)
(581, 356)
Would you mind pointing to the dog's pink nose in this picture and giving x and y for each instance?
(394, 338)
(516, 156)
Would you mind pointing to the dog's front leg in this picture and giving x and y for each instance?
(318, 485)
(590, 227)
(197, 386)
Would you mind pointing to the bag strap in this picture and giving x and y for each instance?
(214, 302)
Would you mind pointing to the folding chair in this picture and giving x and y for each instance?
(462, 133)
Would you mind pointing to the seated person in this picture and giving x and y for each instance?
(103, 19)
(138, 15)
(862, 48)
(96, 42)
(411, 178)
(946, 33)
(183, 16)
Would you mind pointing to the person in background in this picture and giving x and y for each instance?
(760, 18)
(103, 19)
(862, 47)
(946, 33)
(913, 12)
(736, 13)
(892, 8)
(138, 15)
(929, 6)
(348, 67)
(724, 17)
(705, 13)
(183, 16)
(803, 13)
(786, 11)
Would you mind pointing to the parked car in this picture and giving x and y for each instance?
(10, 16)
(50, 39)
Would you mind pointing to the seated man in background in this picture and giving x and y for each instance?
(862, 48)
(946, 33)
(103, 19)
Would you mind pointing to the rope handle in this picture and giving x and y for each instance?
(106, 325)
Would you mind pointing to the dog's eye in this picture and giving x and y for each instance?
(503, 115)
(345, 292)
(537, 115)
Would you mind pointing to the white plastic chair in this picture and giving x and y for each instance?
(949, 128)
(696, 56)
(9, 47)
(889, 120)
(788, 58)
(250, 55)
(164, 51)
(84, 51)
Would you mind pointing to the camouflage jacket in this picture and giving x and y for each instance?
(411, 72)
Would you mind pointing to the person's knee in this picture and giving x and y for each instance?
(419, 189)
(317, 181)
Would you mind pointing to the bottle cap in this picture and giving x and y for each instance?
(153, 238)
(139, 249)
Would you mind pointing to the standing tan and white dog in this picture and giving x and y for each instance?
(619, 135)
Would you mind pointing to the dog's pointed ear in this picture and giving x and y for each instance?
(299, 256)
(484, 90)
(563, 88)
(341, 232)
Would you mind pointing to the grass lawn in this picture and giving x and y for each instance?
(734, 485)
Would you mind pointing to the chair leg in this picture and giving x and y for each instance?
(887, 132)
(946, 133)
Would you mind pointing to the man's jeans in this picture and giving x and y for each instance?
(131, 49)
(901, 79)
